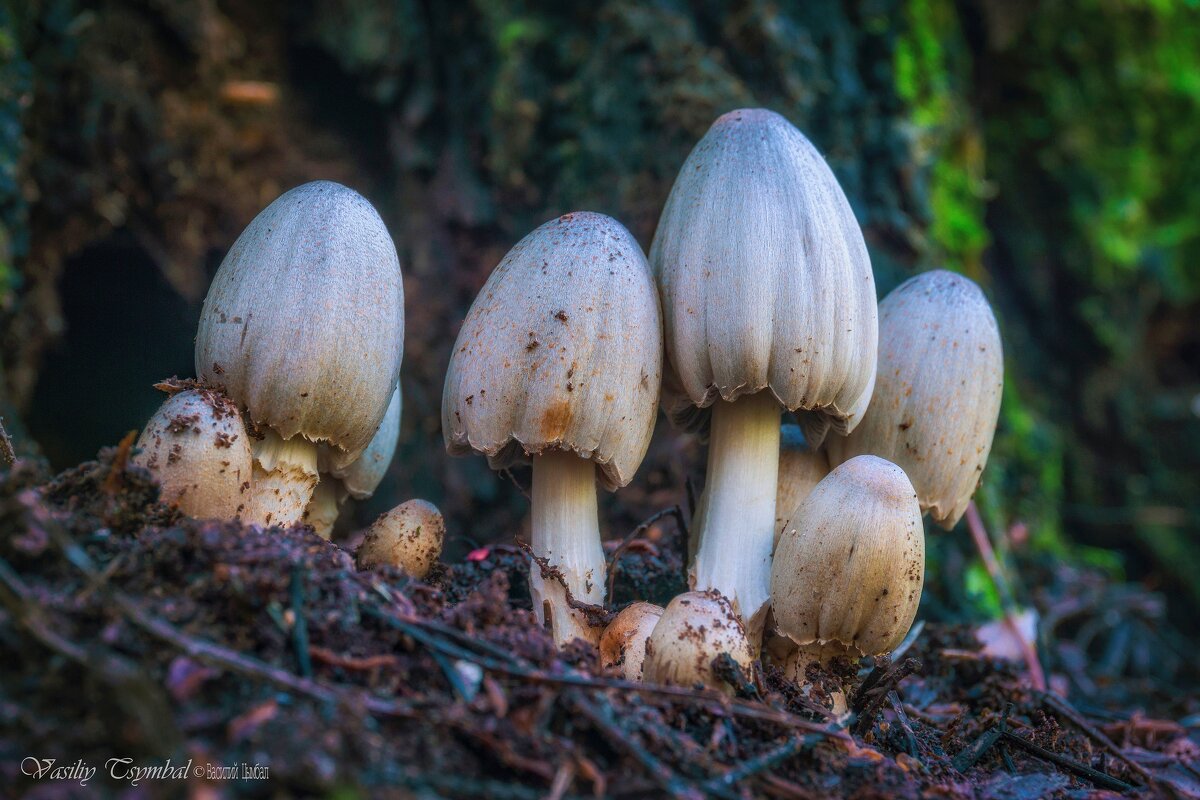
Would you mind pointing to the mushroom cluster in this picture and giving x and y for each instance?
(757, 301)
(297, 405)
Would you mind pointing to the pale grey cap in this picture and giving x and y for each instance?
(937, 395)
(851, 568)
(765, 278)
(304, 322)
(561, 350)
(362, 477)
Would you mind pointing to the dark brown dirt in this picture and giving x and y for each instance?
(129, 631)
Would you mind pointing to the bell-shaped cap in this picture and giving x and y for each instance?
(765, 278)
(937, 394)
(408, 537)
(561, 350)
(196, 447)
(304, 322)
(624, 640)
(361, 477)
(849, 571)
(801, 468)
(695, 628)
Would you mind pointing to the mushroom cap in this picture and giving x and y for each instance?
(801, 468)
(561, 350)
(362, 476)
(196, 447)
(408, 537)
(624, 640)
(304, 322)
(851, 569)
(694, 629)
(937, 394)
(765, 278)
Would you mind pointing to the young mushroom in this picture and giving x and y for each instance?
(197, 449)
(624, 640)
(800, 469)
(695, 629)
(937, 394)
(304, 328)
(559, 361)
(408, 537)
(847, 576)
(768, 303)
(360, 478)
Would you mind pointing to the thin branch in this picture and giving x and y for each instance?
(983, 543)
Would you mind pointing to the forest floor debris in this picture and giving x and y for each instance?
(131, 631)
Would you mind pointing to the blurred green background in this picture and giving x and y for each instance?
(1047, 150)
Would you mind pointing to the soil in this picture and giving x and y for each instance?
(130, 631)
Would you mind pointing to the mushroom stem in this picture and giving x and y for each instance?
(323, 508)
(823, 653)
(285, 475)
(735, 523)
(566, 532)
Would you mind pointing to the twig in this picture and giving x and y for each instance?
(914, 744)
(717, 702)
(550, 572)
(505, 752)
(875, 690)
(674, 511)
(1072, 715)
(213, 653)
(599, 715)
(983, 544)
(1101, 779)
(513, 479)
(366, 664)
(976, 750)
(1008, 762)
(757, 764)
(248, 665)
(116, 471)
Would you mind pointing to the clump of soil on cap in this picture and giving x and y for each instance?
(132, 632)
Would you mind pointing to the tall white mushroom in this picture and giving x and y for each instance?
(559, 361)
(937, 394)
(304, 328)
(197, 449)
(768, 303)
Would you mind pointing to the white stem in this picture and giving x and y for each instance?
(323, 508)
(735, 522)
(822, 653)
(285, 475)
(566, 532)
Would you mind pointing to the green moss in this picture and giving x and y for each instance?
(932, 72)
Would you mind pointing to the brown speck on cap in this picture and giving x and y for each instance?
(933, 398)
(506, 346)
